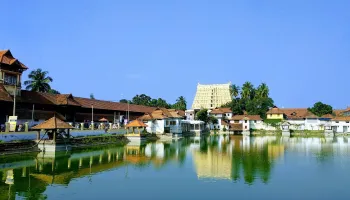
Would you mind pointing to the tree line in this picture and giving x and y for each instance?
(253, 100)
(146, 100)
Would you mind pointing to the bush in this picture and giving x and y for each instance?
(224, 129)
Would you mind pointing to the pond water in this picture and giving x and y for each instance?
(213, 167)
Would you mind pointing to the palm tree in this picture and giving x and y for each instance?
(234, 90)
(38, 81)
(180, 104)
(247, 90)
(263, 91)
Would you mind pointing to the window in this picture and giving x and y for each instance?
(10, 79)
(245, 127)
(270, 115)
(336, 121)
(172, 123)
(254, 121)
(245, 121)
(347, 122)
(167, 123)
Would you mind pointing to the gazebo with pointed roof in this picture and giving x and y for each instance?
(136, 124)
(52, 127)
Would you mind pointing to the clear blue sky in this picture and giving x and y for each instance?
(300, 48)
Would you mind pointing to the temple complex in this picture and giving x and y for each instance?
(211, 96)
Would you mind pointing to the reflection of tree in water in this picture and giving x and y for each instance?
(252, 162)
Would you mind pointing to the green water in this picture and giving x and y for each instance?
(214, 167)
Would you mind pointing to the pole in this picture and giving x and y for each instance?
(92, 113)
(33, 115)
(14, 102)
(128, 112)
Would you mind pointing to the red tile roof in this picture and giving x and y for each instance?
(7, 58)
(161, 113)
(221, 111)
(341, 118)
(108, 105)
(250, 117)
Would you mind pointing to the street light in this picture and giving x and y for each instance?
(92, 116)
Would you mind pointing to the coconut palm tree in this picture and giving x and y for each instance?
(234, 90)
(263, 91)
(38, 81)
(180, 104)
(247, 90)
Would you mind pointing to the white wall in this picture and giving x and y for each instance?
(341, 126)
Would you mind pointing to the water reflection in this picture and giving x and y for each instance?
(236, 158)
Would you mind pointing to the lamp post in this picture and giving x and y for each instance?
(92, 116)
(14, 101)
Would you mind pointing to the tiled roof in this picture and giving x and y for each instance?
(221, 111)
(47, 98)
(223, 122)
(136, 123)
(7, 58)
(4, 95)
(108, 105)
(341, 118)
(236, 127)
(161, 113)
(295, 113)
(275, 110)
(53, 123)
(250, 117)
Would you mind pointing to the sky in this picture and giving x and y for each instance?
(119, 48)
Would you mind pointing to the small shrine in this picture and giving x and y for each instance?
(135, 129)
(285, 129)
(58, 135)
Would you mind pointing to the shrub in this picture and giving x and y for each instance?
(224, 129)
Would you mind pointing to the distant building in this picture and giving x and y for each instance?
(223, 115)
(211, 96)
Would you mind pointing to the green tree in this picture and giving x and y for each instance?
(53, 91)
(247, 90)
(202, 115)
(212, 119)
(92, 96)
(180, 104)
(123, 101)
(141, 100)
(234, 90)
(39, 81)
(320, 109)
(262, 91)
(159, 103)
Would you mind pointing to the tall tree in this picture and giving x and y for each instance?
(320, 109)
(180, 104)
(247, 90)
(141, 100)
(92, 96)
(202, 115)
(234, 90)
(262, 91)
(39, 81)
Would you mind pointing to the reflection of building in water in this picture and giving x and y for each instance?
(236, 158)
(212, 164)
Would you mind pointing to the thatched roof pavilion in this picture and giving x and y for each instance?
(53, 123)
(51, 126)
(135, 124)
